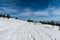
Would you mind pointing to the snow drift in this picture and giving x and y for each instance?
(13, 29)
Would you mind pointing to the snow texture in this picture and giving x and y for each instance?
(14, 29)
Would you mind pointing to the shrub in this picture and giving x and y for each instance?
(0, 15)
(3, 16)
(16, 18)
(8, 16)
(30, 20)
(52, 23)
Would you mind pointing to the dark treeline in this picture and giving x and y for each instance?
(45, 22)
(50, 23)
(30, 20)
(6, 16)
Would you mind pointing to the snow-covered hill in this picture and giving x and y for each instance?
(14, 29)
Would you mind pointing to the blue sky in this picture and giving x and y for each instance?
(45, 10)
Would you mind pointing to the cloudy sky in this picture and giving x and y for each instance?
(36, 9)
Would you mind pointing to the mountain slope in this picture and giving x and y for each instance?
(12, 29)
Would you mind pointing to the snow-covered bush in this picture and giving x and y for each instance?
(29, 20)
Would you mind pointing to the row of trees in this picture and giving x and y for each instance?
(6, 16)
(44, 22)
(51, 23)
(30, 20)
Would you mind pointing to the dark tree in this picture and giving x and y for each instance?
(52, 23)
(8, 16)
(0, 15)
(16, 18)
(3, 16)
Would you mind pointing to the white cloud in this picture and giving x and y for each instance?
(43, 13)
(25, 14)
(56, 12)
(28, 12)
(8, 10)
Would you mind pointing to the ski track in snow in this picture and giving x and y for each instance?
(12, 29)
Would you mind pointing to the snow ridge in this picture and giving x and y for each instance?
(12, 29)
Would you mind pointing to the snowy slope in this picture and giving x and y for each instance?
(12, 29)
